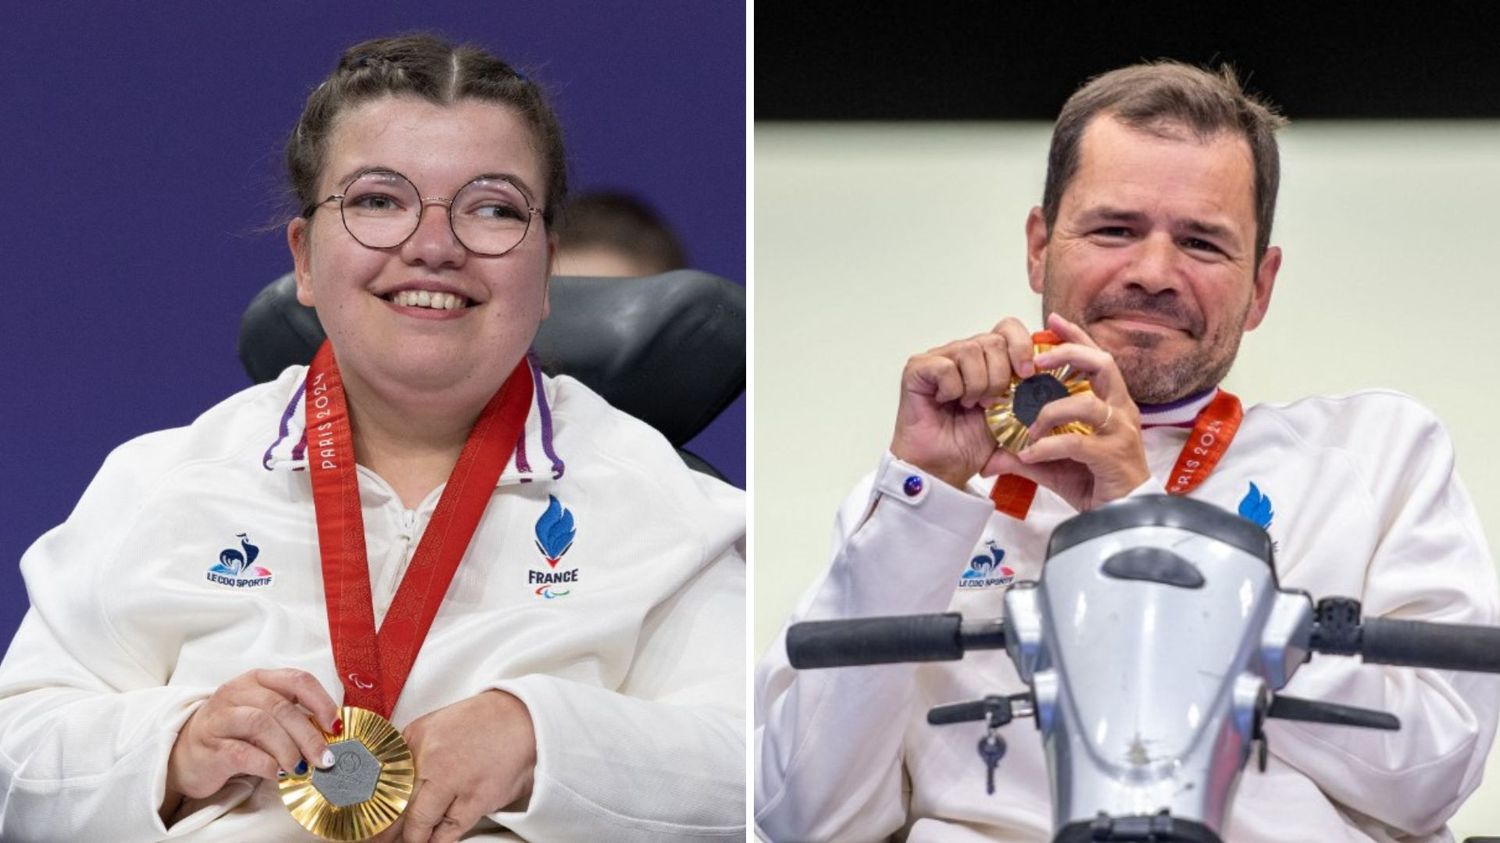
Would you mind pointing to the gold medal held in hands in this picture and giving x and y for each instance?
(367, 787)
(1010, 418)
(374, 773)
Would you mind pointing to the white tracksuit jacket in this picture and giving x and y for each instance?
(633, 673)
(1362, 501)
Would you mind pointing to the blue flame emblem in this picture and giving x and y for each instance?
(554, 531)
(1256, 506)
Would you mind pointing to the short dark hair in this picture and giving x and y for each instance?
(1159, 97)
(428, 67)
(623, 224)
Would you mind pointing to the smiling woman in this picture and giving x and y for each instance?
(458, 593)
(419, 373)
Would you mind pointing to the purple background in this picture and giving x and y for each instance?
(140, 150)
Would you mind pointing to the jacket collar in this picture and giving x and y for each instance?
(535, 460)
(1180, 413)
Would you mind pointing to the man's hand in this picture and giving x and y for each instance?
(944, 392)
(473, 758)
(256, 723)
(1086, 471)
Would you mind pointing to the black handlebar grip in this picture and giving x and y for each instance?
(882, 640)
(1448, 646)
(960, 712)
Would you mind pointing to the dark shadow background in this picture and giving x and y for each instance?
(140, 159)
(1020, 60)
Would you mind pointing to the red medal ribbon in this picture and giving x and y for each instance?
(1012, 495)
(374, 666)
(1213, 430)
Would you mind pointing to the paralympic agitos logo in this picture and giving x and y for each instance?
(554, 538)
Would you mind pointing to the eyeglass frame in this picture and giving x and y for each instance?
(423, 202)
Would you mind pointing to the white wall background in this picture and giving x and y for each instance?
(875, 242)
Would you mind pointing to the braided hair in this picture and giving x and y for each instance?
(428, 67)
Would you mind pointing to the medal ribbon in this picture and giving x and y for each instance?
(374, 665)
(1213, 430)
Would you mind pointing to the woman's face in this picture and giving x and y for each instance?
(384, 339)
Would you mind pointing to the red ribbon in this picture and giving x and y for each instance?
(374, 666)
(1213, 430)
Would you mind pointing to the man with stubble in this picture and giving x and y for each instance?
(1151, 252)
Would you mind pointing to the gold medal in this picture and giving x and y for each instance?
(366, 789)
(1010, 418)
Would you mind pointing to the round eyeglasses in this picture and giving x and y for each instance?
(382, 209)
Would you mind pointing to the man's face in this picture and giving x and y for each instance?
(1153, 253)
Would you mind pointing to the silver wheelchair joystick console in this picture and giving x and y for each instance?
(1152, 647)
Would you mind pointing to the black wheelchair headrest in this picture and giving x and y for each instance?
(668, 349)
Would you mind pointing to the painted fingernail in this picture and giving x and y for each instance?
(327, 760)
(301, 768)
(338, 726)
(281, 774)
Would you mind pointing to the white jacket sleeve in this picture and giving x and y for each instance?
(828, 742)
(662, 758)
(86, 724)
(1430, 563)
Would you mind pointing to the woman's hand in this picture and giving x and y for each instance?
(473, 758)
(256, 723)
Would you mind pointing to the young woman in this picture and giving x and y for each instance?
(529, 585)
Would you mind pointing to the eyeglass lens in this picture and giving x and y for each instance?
(382, 209)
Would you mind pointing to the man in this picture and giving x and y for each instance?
(615, 235)
(1152, 254)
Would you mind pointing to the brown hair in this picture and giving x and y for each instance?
(437, 71)
(623, 224)
(1159, 97)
